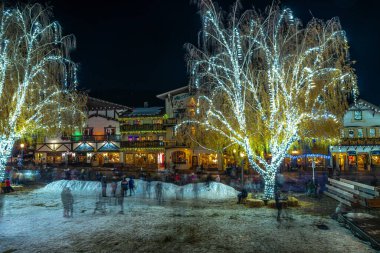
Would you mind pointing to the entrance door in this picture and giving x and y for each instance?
(362, 162)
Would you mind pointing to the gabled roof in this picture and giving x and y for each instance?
(173, 92)
(94, 104)
(144, 112)
(362, 103)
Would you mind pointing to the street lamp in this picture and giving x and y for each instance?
(22, 145)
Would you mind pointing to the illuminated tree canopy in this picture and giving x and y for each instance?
(264, 81)
(37, 78)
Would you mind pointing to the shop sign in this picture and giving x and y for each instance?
(351, 152)
(375, 152)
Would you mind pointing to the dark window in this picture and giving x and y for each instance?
(88, 131)
(110, 130)
(358, 115)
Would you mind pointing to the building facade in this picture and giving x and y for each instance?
(180, 105)
(359, 149)
(143, 134)
(97, 144)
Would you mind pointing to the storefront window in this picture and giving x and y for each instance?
(209, 160)
(351, 133)
(342, 133)
(151, 159)
(375, 160)
(372, 132)
(129, 159)
(113, 157)
(178, 157)
(360, 132)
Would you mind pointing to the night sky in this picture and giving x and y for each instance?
(130, 51)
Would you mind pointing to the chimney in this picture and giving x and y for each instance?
(146, 105)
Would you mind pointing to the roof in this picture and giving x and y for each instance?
(173, 92)
(144, 112)
(94, 104)
(362, 102)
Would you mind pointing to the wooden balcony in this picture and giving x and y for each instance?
(174, 144)
(360, 141)
(142, 128)
(142, 144)
(170, 122)
(96, 138)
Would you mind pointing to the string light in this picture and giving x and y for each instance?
(262, 81)
(37, 78)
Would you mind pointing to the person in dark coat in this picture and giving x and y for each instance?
(242, 195)
(124, 187)
(104, 186)
(277, 198)
(131, 184)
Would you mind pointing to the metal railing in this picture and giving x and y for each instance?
(142, 144)
(360, 141)
(144, 127)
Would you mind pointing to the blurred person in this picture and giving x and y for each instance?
(67, 201)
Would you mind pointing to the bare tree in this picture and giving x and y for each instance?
(37, 78)
(264, 81)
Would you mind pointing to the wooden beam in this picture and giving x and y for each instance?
(348, 203)
(358, 184)
(346, 194)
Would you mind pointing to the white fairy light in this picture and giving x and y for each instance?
(272, 75)
(33, 63)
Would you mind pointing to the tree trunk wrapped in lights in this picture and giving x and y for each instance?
(264, 81)
(37, 78)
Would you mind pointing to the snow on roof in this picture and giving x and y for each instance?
(94, 104)
(362, 102)
(144, 111)
(173, 92)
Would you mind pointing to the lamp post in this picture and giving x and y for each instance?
(242, 168)
(22, 145)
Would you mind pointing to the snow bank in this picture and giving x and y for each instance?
(148, 190)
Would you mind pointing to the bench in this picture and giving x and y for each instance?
(352, 193)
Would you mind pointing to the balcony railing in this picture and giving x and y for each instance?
(144, 127)
(360, 141)
(142, 144)
(96, 138)
(170, 122)
(173, 144)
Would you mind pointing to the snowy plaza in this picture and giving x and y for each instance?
(209, 221)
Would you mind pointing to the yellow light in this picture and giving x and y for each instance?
(22, 145)
(234, 151)
(242, 154)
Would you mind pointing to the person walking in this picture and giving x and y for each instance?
(277, 198)
(131, 184)
(124, 187)
(67, 201)
(104, 186)
(159, 193)
(113, 187)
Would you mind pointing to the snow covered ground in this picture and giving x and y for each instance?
(187, 221)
